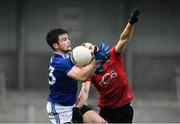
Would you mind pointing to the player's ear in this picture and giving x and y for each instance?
(55, 45)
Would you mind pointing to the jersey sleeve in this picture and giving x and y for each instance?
(114, 54)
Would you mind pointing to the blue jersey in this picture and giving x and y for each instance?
(63, 89)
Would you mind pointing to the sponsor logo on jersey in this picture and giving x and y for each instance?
(107, 78)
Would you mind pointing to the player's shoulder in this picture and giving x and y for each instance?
(114, 54)
(58, 59)
(113, 51)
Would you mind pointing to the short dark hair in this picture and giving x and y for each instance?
(52, 36)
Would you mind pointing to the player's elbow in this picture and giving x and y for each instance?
(77, 76)
(83, 78)
(121, 45)
(124, 42)
(125, 38)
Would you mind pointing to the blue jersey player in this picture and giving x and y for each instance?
(63, 77)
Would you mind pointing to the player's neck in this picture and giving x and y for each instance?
(61, 52)
(64, 54)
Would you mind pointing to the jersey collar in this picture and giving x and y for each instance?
(66, 55)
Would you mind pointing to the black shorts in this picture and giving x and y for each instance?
(84, 109)
(122, 114)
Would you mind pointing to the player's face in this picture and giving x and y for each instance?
(64, 43)
(90, 47)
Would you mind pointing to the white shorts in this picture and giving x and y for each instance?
(59, 114)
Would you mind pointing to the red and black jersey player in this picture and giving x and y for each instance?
(111, 82)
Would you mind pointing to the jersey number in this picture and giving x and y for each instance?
(52, 78)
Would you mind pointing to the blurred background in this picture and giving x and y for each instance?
(151, 60)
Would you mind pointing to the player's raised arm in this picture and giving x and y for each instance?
(127, 32)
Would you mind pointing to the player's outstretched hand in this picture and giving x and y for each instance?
(134, 16)
(77, 116)
(102, 53)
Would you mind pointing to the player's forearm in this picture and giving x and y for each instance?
(124, 38)
(83, 95)
(81, 100)
(87, 71)
(127, 33)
